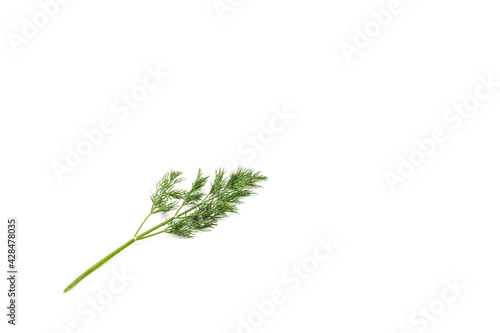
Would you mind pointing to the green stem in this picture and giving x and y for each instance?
(142, 225)
(147, 232)
(156, 233)
(179, 208)
(98, 264)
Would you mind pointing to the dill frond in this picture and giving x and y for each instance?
(196, 210)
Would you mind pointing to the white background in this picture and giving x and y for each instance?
(325, 167)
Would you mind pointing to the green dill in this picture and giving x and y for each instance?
(194, 209)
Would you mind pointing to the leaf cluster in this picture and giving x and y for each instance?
(166, 195)
(203, 210)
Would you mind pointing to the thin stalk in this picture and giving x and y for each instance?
(179, 209)
(98, 264)
(142, 225)
(156, 233)
(145, 233)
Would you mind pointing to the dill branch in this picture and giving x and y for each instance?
(202, 211)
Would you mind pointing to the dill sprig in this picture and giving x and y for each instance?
(194, 210)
